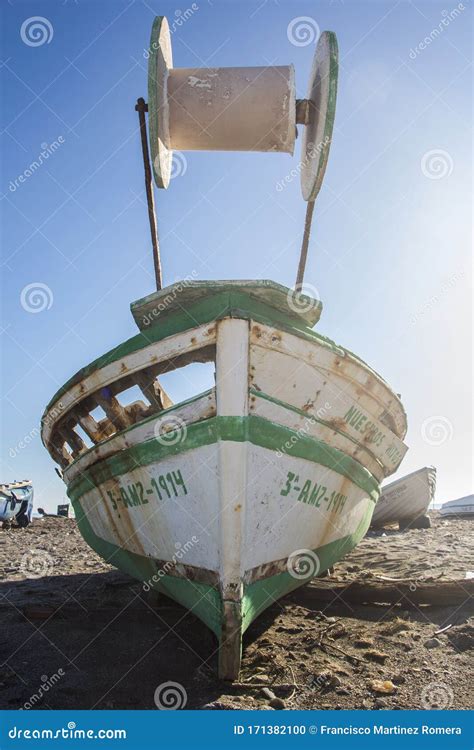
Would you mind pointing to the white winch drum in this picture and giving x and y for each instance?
(232, 109)
(239, 109)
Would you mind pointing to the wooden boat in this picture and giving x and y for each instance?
(235, 497)
(407, 499)
(462, 507)
(16, 502)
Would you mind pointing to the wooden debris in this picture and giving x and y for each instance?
(435, 593)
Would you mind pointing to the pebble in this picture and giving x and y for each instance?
(399, 679)
(215, 706)
(382, 686)
(363, 643)
(278, 703)
(374, 655)
(432, 643)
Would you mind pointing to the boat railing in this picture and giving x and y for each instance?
(72, 426)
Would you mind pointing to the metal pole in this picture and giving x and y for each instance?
(141, 107)
(304, 246)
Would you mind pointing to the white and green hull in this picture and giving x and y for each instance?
(227, 501)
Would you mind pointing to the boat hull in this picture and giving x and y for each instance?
(407, 498)
(155, 512)
(229, 500)
(463, 507)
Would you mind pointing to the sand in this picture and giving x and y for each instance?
(76, 633)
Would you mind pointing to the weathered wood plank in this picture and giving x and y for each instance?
(152, 390)
(114, 410)
(195, 345)
(415, 592)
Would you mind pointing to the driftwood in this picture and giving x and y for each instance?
(435, 593)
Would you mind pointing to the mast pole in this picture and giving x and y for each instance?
(304, 246)
(141, 107)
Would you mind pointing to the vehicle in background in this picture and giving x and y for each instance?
(16, 502)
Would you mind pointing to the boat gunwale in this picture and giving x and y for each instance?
(50, 423)
(153, 417)
(130, 346)
(175, 408)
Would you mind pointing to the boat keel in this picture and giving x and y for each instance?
(230, 648)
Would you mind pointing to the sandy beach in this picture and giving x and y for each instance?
(76, 633)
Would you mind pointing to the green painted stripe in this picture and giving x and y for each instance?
(153, 52)
(154, 417)
(143, 454)
(225, 304)
(273, 436)
(150, 310)
(204, 600)
(228, 303)
(255, 430)
(262, 593)
(278, 402)
(330, 113)
(305, 414)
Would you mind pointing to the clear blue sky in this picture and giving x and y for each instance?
(390, 253)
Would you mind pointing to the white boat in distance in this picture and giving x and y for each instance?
(463, 506)
(406, 499)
